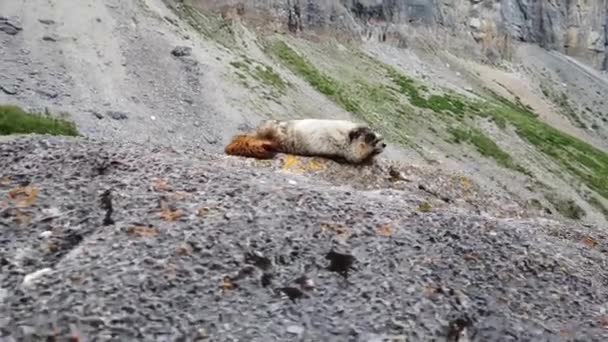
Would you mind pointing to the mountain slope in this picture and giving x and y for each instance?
(505, 165)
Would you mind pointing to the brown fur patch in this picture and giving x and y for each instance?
(251, 146)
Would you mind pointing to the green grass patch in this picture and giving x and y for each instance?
(485, 146)
(213, 27)
(321, 82)
(261, 73)
(268, 76)
(417, 96)
(14, 120)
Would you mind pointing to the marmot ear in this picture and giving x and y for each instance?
(354, 134)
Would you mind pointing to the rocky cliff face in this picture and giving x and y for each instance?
(487, 27)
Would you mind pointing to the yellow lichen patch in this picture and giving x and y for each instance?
(168, 213)
(385, 230)
(227, 285)
(24, 196)
(290, 161)
(171, 215)
(338, 229)
(316, 165)
(296, 164)
(160, 185)
(142, 231)
(465, 182)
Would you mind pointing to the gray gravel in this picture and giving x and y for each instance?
(231, 266)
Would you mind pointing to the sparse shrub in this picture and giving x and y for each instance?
(239, 65)
(268, 76)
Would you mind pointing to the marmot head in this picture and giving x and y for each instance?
(366, 143)
(268, 129)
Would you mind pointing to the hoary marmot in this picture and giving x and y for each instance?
(338, 140)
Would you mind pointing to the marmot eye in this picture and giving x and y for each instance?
(370, 138)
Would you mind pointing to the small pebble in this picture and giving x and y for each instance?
(295, 329)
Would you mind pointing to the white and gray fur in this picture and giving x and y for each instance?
(337, 139)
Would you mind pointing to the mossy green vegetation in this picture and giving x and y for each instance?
(14, 120)
(486, 146)
(418, 96)
(318, 80)
(268, 76)
(582, 160)
(211, 26)
(261, 73)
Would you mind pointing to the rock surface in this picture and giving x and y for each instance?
(108, 241)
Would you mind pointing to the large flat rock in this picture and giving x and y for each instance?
(209, 247)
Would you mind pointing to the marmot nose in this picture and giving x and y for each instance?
(383, 145)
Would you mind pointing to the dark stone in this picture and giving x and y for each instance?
(97, 114)
(106, 204)
(266, 279)
(181, 51)
(117, 115)
(258, 260)
(49, 38)
(47, 21)
(293, 293)
(9, 27)
(7, 90)
(340, 263)
(456, 327)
